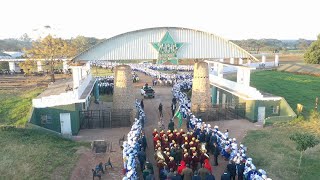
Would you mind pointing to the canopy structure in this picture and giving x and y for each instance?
(164, 44)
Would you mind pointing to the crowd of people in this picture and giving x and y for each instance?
(184, 154)
(132, 148)
(217, 143)
(106, 84)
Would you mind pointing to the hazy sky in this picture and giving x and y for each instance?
(231, 19)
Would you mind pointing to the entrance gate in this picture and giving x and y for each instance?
(92, 119)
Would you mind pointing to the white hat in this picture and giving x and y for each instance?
(234, 139)
(241, 145)
(216, 127)
(249, 159)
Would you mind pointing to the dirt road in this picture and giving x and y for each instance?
(237, 129)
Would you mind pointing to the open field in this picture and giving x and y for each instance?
(33, 154)
(16, 105)
(294, 88)
(272, 150)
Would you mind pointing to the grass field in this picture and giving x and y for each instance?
(273, 151)
(101, 72)
(33, 154)
(16, 105)
(294, 88)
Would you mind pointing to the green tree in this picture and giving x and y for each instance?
(312, 55)
(49, 49)
(303, 142)
(28, 65)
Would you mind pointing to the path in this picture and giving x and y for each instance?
(87, 160)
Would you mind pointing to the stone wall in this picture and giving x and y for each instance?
(201, 97)
(123, 97)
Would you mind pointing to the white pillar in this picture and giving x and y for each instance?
(276, 60)
(248, 62)
(218, 98)
(220, 70)
(246, 76)
(76, 76)
(240, 75)
(12, 66)
(240, 61)
(263, 59)
(231, 60)
(243, 76)
(65, 66)
(39, 65)
(215, 68)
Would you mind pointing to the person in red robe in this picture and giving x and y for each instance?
(207, 165)
(172, 164)
(181, 167)
(154, 132)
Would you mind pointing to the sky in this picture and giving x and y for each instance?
(231, 19)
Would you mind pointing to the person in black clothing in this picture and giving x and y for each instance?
(160, 110)
(231, 167)
(141, 104)
(240, 171)
(173, 108)
(171, 125)
(142, 158)
(225, 176)
(215, 152)
(174, 100)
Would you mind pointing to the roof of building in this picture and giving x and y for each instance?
(144, 45)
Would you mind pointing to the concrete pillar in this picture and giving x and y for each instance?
(249, 62)
(263, 59)
(220, 70)
(246, 76)
(215, 68)
(240, 61)
(231, 60)
(276, 60)
(243, 76)
(123, 98)
(76, 76)
(39, 66)
(65, 66)
(12, 66)
(200, 100)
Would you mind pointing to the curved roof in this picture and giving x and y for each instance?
(138, 45)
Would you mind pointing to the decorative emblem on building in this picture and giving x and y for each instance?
(167, 49)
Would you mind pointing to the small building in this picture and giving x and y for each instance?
(57, 108)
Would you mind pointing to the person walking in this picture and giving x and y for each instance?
(160, 110)
(215, 152)
(142, 159)
(141, 104)
(171, 125)
(231, 167)
(187, 173)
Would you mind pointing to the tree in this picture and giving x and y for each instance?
(49, 49)
(28, 65)
(303, 142)
(312, 55)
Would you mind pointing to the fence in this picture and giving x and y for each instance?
(224, 112)
(92, 119)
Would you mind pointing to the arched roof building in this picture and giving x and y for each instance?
(164, 43)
